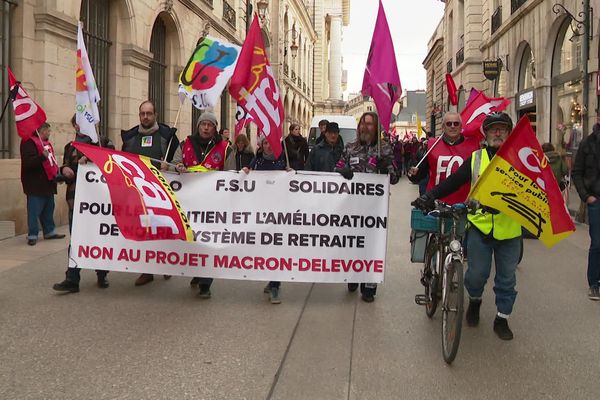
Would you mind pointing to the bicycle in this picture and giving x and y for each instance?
(445, 224)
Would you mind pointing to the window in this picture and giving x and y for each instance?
(158, 67)
(95, 16)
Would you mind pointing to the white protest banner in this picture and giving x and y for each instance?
(274, 225)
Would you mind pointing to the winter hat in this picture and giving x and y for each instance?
(207, 116)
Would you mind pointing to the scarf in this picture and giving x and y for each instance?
(149, 131)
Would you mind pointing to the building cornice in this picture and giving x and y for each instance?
(435, 48)
(524, 10)
(304, 17)
(137, 57)
(55, 23)
(224, 30)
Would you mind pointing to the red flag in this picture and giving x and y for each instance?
(242, 118)
(254, 88)
(381, 80)
(473, 114)
(28, 115)
(451, 90)
(143, 203)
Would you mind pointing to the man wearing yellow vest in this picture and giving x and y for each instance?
(490, 232)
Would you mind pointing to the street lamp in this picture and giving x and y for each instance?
(262, 6)
(293, 47)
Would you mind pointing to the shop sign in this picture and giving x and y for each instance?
(491, 69)
(526, 99)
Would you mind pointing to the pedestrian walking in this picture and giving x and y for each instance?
(586, 176)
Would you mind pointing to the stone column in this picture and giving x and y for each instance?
(335, 58)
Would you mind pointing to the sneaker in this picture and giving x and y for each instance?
(195, 281)
(594, 293)
(472, 315)
(66, 286)
(274, 296)
(102, 282)
(204, 292)
(144, 279)
(31, 242)
(501, 328)
(267, 289)
(352, 287)
(55, 236)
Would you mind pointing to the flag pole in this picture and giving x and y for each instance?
(429, 151)
(171, 138)
(12, 95)
(287, 158)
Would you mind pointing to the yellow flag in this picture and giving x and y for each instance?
(420, 133)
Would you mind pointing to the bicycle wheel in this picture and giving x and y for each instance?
(452, 309)
(431, 277)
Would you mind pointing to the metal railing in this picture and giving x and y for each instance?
(228, 14)
(293, 76)
(286, 69)
(496, 19)
(460, 56)
(515, 4)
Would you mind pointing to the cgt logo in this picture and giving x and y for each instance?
(534, 163)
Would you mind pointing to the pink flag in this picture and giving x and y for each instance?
(475, 112)
(254, 88)
(381, 80)
(472, 95)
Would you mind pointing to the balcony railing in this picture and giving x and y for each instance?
(304, 87)
(449, 66)
(209, 2)
(497, 19)
(299, 82)
(515, 4)
(229, 14)
(286, 69)
(293, 76)
(460, 57)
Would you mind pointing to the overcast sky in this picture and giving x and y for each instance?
(412, 23)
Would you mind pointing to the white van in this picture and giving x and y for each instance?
(347, 125)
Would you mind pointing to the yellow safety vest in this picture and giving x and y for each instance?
(501, 226)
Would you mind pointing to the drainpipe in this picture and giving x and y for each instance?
(585, 52)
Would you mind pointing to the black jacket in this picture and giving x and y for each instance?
(586, 169)
(323, 156)
(166, 134)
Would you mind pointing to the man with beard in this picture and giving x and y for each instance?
(201, 151)
(150, 139)
(370, 155)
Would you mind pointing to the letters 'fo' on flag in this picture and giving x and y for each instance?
(381, 80)
(207, 72)
(29, 116)
(519, 182)
(143, 203)
(255, 90)
(475, 112)
(451, 86)
(87, 96)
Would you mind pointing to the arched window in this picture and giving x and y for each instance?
(95, 17)
(158, 67)
(526, 69)
(566, 124)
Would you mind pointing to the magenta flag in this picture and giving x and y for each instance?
(381, 80)
(472, 95)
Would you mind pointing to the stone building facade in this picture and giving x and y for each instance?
(540, 48)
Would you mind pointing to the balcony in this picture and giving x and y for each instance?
(304, 87)
(228, 14)
(460, 57)
(496, 19)
(515, 4)
(286, 69)
(449, 66)
(299, 82)
(293, 76)
(209, 2)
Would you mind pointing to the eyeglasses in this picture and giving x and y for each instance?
(149, 113)
(453, 123)
(497, 130)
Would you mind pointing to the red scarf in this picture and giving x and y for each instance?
(214, 159)
(50, 165)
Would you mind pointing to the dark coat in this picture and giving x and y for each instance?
(586, 169)
(33, 176)
(167, 135)
(297, 151)
(323, 156)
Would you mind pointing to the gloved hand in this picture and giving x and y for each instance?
(489, 210)
(372, 161)
(424, 202)
(341, 164)
(394, 178)
(346, 173)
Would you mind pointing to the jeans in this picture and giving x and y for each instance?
(593, 270)
(42, 208)
(506, 256)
